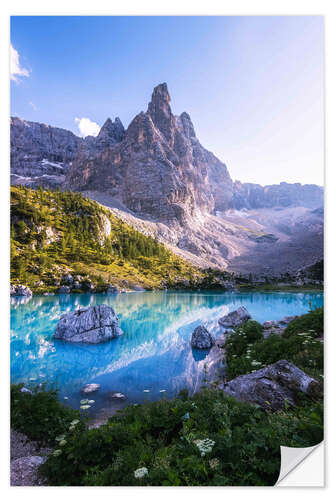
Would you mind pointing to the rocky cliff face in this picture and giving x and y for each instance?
(157, 168)
(253, 196)
(40, 154)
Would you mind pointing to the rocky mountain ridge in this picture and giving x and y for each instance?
(157, 176)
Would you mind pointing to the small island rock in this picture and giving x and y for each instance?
(90, 325)
(201, 338)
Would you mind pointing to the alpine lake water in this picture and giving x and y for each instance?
(152, 360)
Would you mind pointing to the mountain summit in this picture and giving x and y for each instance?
(159, 169)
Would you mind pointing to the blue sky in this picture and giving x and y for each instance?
(253, 86)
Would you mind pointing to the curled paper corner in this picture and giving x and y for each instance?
(302, 466)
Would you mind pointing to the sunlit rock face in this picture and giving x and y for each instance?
(159, 168)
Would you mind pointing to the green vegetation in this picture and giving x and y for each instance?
(247, 350)
(313, 321)
(53, 233)
(207, 439)
(39, 414)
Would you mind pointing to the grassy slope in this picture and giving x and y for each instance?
(53, 233)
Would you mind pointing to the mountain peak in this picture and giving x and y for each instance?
(111, 132)
(161, 94)
(160, 111)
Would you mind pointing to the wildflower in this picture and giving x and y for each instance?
(60, 438)
(65, 397)
(83, 401)
(146, 390)
(186, 416)
(205, 445)
(85, 407)
(214, 463)
(163, 390)
(56, 453)
(75, 422)
(91, 401)
(63, 442)
(140, 473)
(194, 405)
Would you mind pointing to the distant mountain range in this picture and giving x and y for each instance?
(158, 177)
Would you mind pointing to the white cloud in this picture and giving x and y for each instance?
(87, 127)
(33, 105)
(15, 68)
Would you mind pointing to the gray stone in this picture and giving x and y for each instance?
(24, 389)
(20, 291)
(90, 388)
(24, 471)
(201, 338)
(235, 318)
(64, 289)
(272, 386)
(90, 325)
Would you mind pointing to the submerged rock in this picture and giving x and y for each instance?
(235, 318)
(90, 388)
(201, 338)
(20, 291)
(91, 325)
(118, 395)
(272, 386)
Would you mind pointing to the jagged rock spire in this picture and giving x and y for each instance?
(111, 132)
(160, 111)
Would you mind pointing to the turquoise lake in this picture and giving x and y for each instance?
(154, 354)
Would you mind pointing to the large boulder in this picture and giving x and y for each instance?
(20, 291)
(235, 318)
(272, 386)
(201, 338)
(91, 325)
(24, 471)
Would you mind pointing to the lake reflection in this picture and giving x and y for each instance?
(153, 354)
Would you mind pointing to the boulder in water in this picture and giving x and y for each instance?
(90, 325)
(201, 338)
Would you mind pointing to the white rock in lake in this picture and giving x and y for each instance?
(90, 325)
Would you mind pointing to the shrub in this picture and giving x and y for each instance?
(314, 320)
(207, 439)
(40, 415)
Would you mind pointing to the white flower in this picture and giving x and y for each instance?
(85, 407)
(91, 401)
(163, 390)
(146, 390)
(142, 472)
(205, 445)
(63, 442)
(83, 401)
